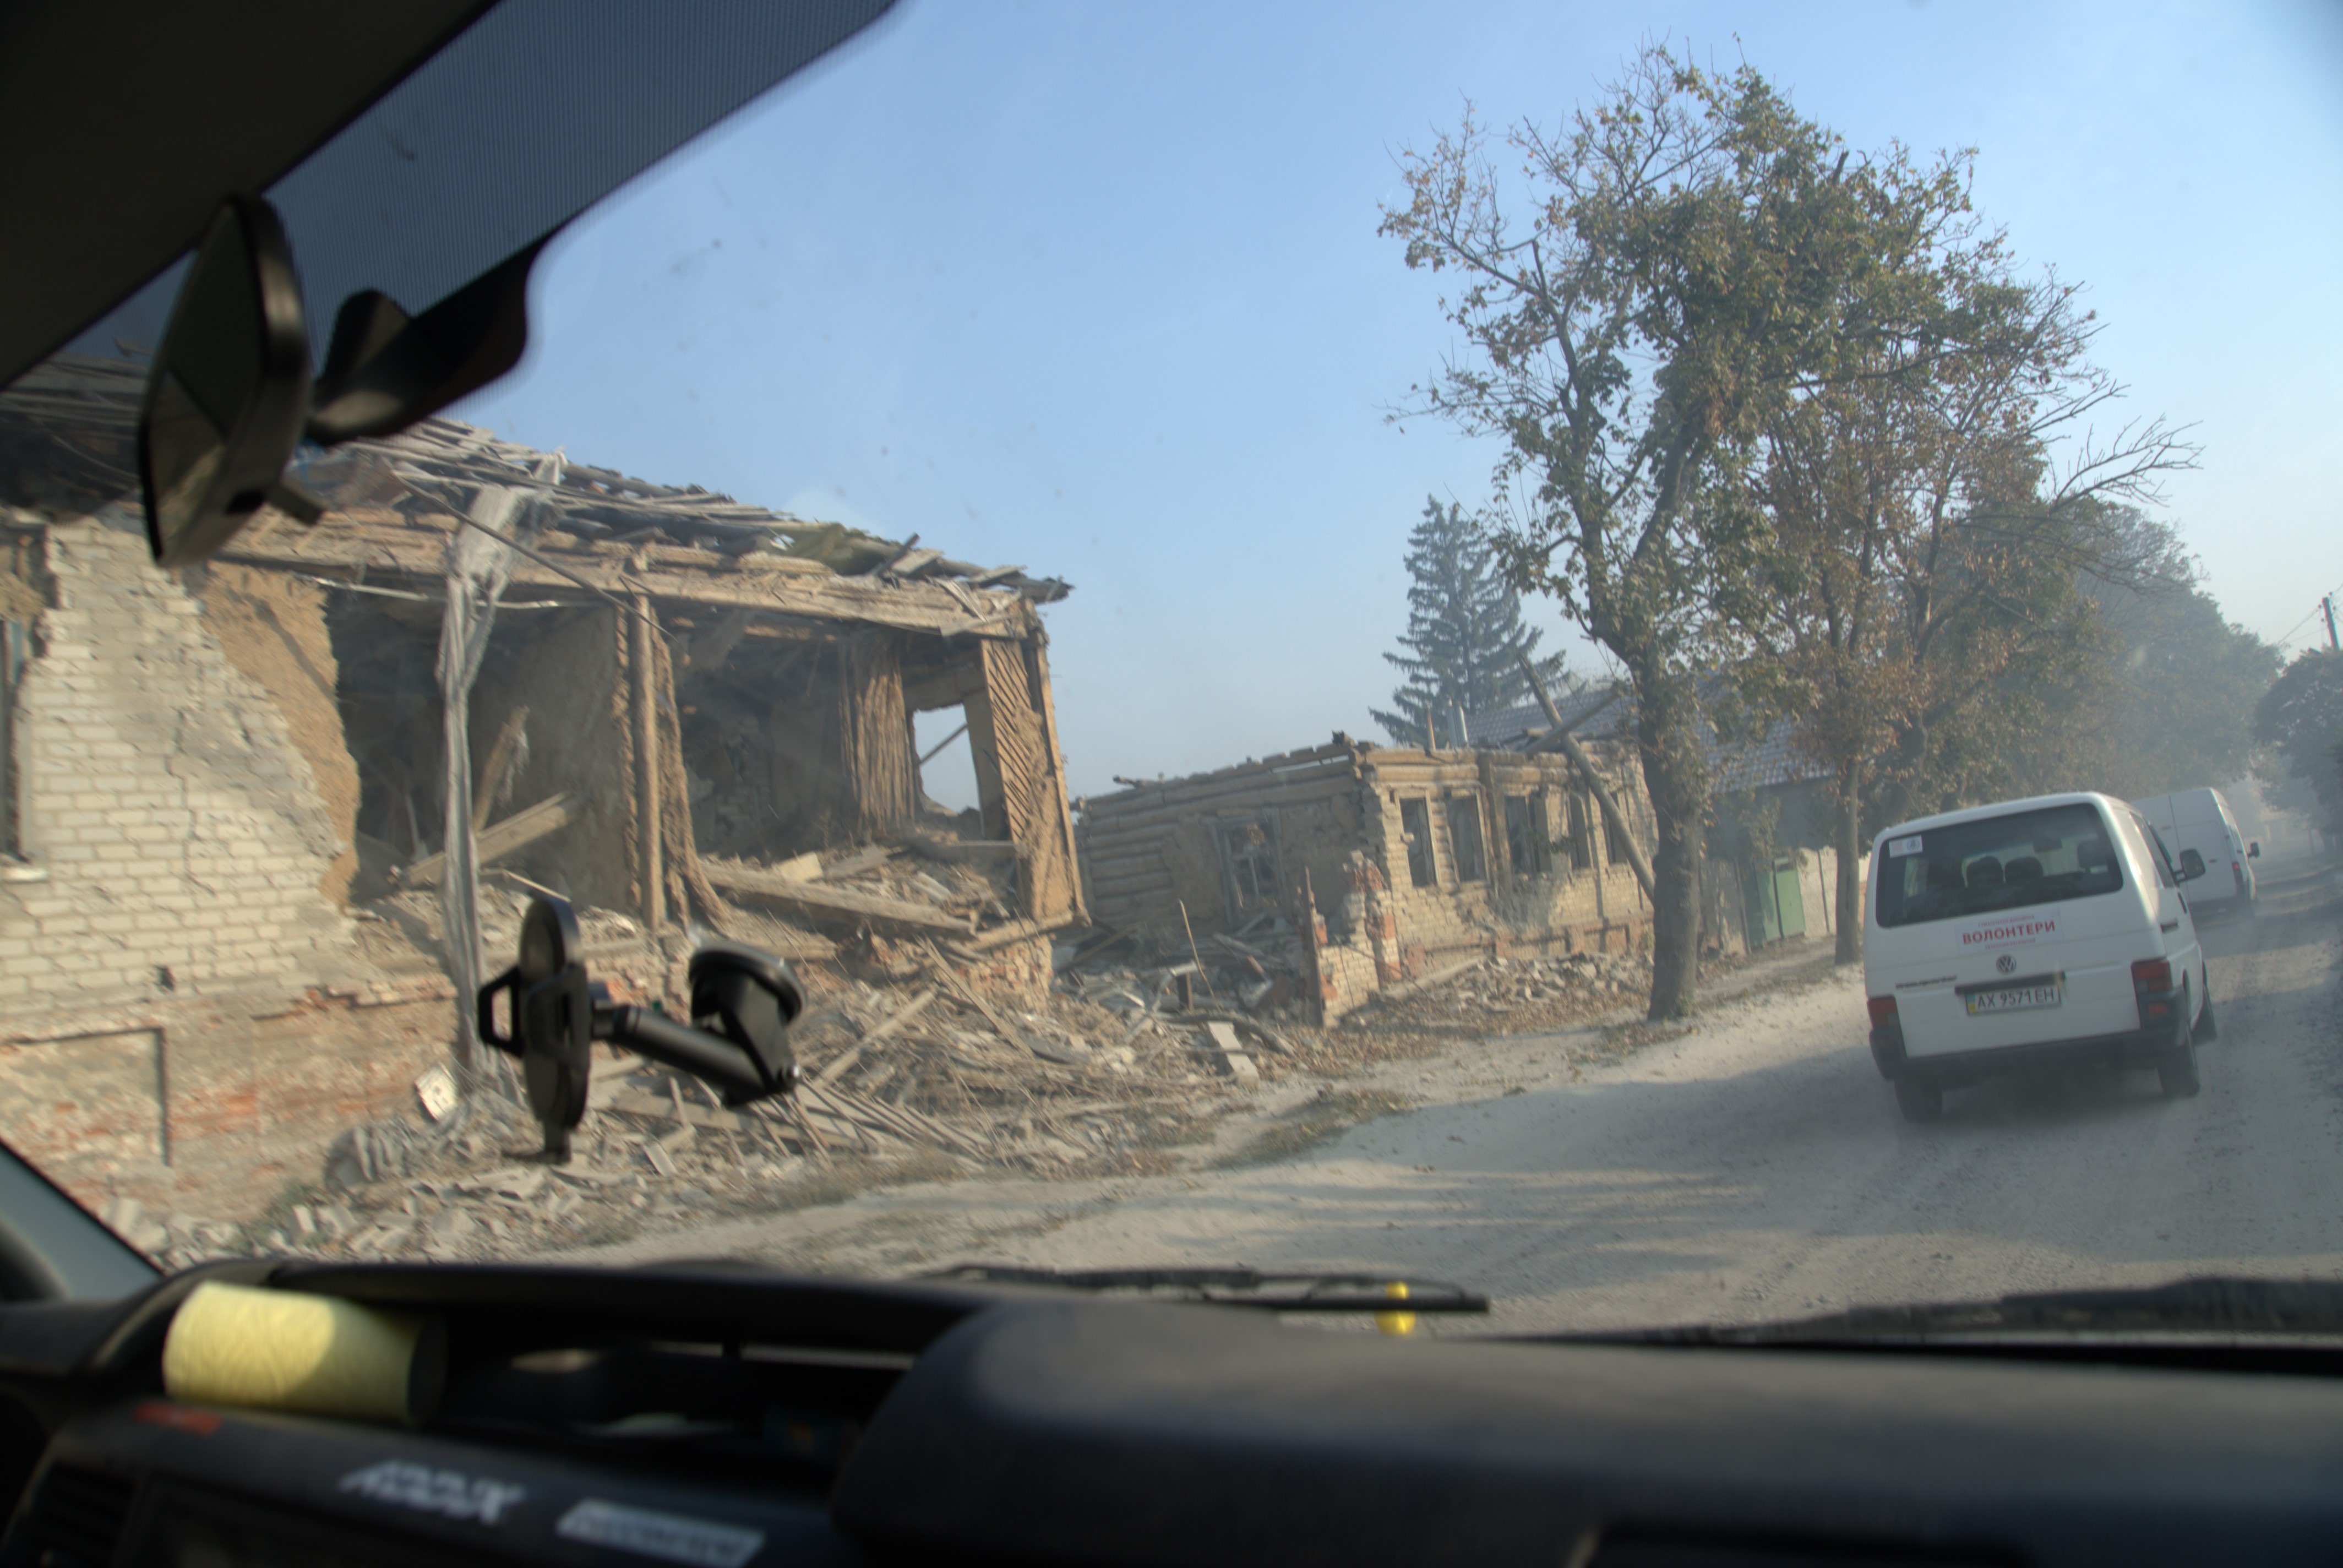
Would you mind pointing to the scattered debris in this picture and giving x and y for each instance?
(1514, 995)
(436, 1092)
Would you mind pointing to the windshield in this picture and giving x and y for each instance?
(1300, 628)
(2003, 862)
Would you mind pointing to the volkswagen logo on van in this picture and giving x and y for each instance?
(2006, 964)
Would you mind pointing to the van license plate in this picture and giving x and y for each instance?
(2013, 998)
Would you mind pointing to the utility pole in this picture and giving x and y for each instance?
(2328, 604)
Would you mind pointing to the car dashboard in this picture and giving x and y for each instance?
(725, 1417)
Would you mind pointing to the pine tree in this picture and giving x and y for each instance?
(1465, 639)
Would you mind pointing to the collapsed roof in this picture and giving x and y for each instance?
(700, 675)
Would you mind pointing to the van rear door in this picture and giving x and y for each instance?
(2033, 903)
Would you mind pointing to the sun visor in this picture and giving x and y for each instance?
(535, 111)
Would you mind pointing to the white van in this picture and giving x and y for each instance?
(2027, 931)
(2200, 820)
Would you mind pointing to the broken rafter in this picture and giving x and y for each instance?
(824, 902)
(515, 833)
(405, 552)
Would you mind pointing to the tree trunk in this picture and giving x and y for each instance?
(1677, 779)
(1847, 842)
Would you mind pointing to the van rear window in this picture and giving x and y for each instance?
(1997, 863)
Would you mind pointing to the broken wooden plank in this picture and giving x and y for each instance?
(899, 1121)
(1001, 936)
(963, 851)
(410, 555)
(895, 1021)
(821, 901)
(1002, 623)
(515, 833)
(853, 864)
(912, 563)
(630, 1100)
(1407, 989)
(1252, 1027)
(502, 754)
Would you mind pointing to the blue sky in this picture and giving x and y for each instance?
(1095, 288)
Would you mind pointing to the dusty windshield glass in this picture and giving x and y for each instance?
(1299, 632)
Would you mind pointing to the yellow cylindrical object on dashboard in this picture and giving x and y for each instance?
(283, 1349)
(1402, 1323)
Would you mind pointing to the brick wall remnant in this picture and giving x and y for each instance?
(1374, 826)
(179, 822)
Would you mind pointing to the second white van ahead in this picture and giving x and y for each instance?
(2200, 820)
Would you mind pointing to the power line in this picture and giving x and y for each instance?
(2316, 611)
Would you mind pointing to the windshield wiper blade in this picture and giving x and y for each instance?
(1302, 1293)
(2224, 1305)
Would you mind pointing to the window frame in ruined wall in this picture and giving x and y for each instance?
(1613, 853)
(1422, 863)
(1527, 848)
(1578, 813)
(1264, 861)
(1472, 866)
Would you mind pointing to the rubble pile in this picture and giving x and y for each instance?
(1256, 971)
(1518, 995)
(929, 1076)
(947, 888)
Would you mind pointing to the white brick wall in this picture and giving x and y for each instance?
(179, 826)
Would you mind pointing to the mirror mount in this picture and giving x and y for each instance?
(386, 369)
(743, 1001)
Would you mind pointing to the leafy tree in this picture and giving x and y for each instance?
(2301, 717)
(1691, 253)
(1464, 640)
(1931, 547)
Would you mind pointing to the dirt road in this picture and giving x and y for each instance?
(1754, 1168)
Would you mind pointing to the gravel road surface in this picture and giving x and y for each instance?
(1754, 1167)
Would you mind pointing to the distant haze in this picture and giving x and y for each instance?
(1097, 290)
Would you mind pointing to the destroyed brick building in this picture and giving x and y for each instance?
(1393, 862)
(1771, 873)
(1410, 858)
(227, 789)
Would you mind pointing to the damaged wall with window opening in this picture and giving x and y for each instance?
(1409, 859)
(692, 713)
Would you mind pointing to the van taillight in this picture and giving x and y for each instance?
(2152, 974)
(1883, 1011)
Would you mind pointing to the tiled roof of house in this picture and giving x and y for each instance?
(1771, 761)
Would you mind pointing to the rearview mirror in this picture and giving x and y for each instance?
(2192, 865)
(2254, 851)
(228, 391)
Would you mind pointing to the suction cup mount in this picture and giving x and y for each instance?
(743, 1001)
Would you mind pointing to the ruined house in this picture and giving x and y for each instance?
(226, 788)
(1393, 861)
(1770, 873)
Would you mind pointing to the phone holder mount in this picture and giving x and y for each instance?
(743, 1001)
